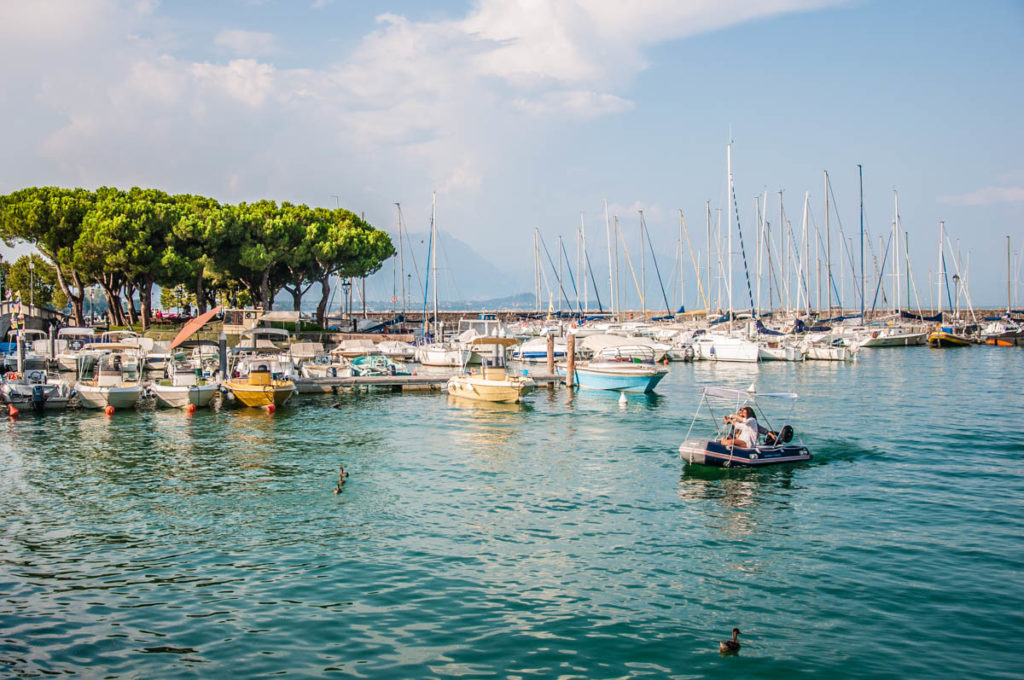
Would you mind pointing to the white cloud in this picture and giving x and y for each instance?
(574, 104)
(247, 43)
(414, 103)
(987, 196)
(245, 80)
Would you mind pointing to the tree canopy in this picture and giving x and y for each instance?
(127, 241)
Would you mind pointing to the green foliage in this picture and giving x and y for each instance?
(241, 253)
(35, 282)
(176, 297)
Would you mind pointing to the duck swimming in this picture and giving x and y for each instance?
(730, 646)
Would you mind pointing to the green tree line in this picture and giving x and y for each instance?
(128, 241)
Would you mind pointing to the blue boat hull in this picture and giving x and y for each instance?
(712, 453)
(618, 382)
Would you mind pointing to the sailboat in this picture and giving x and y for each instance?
(946, 336)
(1006, 331)
(437, 353)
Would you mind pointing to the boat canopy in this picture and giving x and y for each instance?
(280, 316)
(746, 394)
(596, 343)
(278, 332)
(490, 340)
(77, 331)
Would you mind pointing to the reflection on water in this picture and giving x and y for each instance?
(561, 537)
(741, 501)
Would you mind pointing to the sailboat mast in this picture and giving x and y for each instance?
(860, 174)
(583, 263)
(728, 162)
(707, 214)
(807, 255)
(643, 270)
(759, 232)
(618, 299)
(828, 250)
(896, 254)
(401, 255)
(1008, 302)
(942, 267)
(433, 250)
(608, 237)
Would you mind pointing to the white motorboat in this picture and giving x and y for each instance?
(183, 386)
(115, 383)
(441, 354)
(33, 389)
(727, 348)
(493, 383)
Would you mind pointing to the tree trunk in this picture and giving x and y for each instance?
(146, 302)
(321, 308)
(129, 294)
(268, 301)
(200, 294)
(296, 294)
(77, 301)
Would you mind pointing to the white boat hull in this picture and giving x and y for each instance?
(91, 396)
(180, 396)
(509, 391)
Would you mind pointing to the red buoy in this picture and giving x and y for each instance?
(109, 410)
(191, 408)
(13, 411)
(271, 408)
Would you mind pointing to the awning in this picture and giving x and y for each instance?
(191, 327)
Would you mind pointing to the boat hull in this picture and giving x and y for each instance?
(946, 339)
(622, 380)
(894, 340)
(180, 396)
(276, 393)
(94, 397)
(42, 397)
(703, 452)
(498, 391)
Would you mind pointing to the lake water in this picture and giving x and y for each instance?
(561, 538)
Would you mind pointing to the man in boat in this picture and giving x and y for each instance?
(745, 429)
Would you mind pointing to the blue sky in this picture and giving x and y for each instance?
(524, 114)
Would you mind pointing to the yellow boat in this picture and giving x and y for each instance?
(947, 338)
(492, 383)
(259, 388)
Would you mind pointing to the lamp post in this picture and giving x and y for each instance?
(346, 287)
(31, 282)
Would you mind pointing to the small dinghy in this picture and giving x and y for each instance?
(725, 448)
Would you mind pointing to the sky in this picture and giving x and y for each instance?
(526, 116)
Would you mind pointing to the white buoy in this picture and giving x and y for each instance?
(622, 398)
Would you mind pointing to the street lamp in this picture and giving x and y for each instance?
(31, 282)
(346, 287)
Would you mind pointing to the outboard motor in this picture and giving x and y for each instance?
(38, 397)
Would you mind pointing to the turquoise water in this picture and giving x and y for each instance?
(562, 538)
